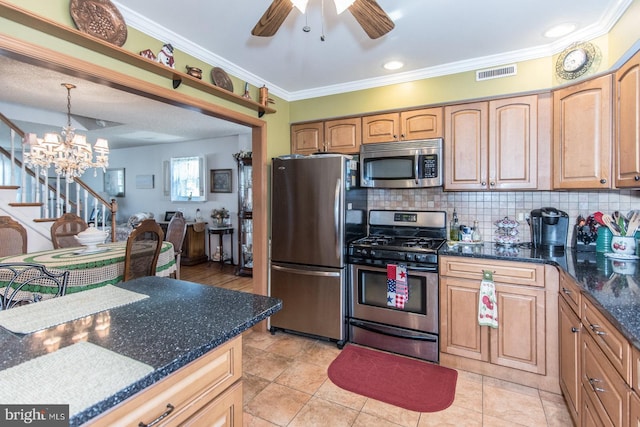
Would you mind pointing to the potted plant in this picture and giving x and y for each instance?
(220, 216)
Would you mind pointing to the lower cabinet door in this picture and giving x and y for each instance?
(460, 333)
(570, 330)
(634, 410)
(519, 340)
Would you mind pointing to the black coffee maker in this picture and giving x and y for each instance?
(549, 229)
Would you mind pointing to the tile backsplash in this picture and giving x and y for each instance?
(488, 207)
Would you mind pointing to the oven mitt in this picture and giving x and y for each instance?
(487, 302)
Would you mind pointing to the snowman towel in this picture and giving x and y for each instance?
(397, 286)
(487, 303)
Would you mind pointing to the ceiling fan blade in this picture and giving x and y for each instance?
(373, 20)
(273, 18)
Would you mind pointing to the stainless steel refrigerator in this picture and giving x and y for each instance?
(316, 209)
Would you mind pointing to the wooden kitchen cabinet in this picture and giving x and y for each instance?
(570, 330)
(582, 135)
(603, 386)
(634, 410)
(570, 327)
(627, 124)
(497, 145)
(606, 368)
(402, 126)
(206, 392)
(338, 136)
(523, 348)
(307, 138)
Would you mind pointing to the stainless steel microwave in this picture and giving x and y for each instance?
(406, 164)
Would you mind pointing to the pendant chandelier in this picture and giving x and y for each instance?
(68, 152)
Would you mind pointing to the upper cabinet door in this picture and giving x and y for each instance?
(513, 143)
(421, 124)
(466, 148)
(344, 135)
(307, 138)
(582, 135)
(381, 128)
(627, 141)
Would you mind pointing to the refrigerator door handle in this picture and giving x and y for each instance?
(336, 215)
(306, 272)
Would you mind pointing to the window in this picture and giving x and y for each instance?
(187, 179)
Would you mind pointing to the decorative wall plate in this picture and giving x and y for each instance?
(221, 79)
(575, 60)
(99, 18)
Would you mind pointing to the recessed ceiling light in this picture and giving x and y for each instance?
(393, 65)
(560, 30)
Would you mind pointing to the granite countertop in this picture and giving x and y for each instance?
(612, 284)
(178, 323)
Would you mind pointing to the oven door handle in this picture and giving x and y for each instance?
(430, 269)
(371, 328)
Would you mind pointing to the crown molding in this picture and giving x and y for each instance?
(156, 31)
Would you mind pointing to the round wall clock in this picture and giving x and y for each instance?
(575, 60)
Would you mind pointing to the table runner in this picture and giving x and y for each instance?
(80, 375)
(45, 314)
(88, 271)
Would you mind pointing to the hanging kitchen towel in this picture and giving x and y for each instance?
(397, 286)
(487, 302)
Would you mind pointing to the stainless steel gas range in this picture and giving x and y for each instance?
(397, 239)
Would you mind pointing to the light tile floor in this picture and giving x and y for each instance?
(286, 384)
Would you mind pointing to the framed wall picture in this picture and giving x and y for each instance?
(221, 180)
(144, 181)
(168, 215)
(114, 182)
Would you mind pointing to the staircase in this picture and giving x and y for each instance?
(36, 201)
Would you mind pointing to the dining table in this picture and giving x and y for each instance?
(89, 269)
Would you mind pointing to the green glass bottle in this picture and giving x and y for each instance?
(454, 227)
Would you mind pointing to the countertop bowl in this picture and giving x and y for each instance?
(623, 245)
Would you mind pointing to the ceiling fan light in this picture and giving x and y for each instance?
(301, 5)
(393, 65)
(342, 5)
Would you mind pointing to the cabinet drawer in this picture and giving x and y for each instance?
(603, 385)
(503, 271)
(185, 389)
(570, 292)
(615, 347)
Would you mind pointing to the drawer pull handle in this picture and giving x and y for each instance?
(169, 410)
(566, 291)
(594, 327)
(593, 381)
(574, 329)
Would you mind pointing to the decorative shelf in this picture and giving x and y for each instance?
(72, 35)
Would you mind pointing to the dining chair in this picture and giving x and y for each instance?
(13, 237)
(65, 228)
(176, 231)
(142, 251)
(24, 283)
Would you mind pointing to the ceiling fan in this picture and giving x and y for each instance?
(373, 20)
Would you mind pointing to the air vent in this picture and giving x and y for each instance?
(496, 73)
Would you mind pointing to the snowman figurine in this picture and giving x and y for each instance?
(165, 56)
